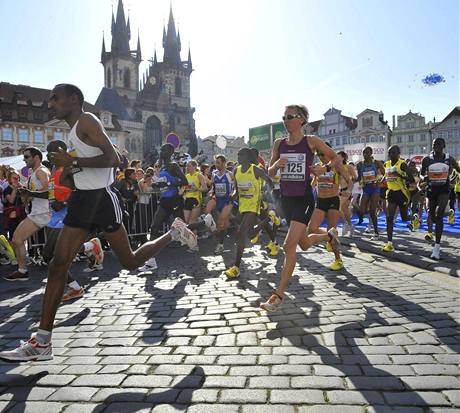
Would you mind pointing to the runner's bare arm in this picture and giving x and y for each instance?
(260, 173)
(204, 185)
(66, 178)
(92, 132)
(454, 164)
(43, 177)
(275, 161)
(380, 167)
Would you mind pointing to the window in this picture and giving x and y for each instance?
(333, 131)
(381, 138)
(337, 141)
(178, 86)
(109, 78)
(373, 138)
(367, 139)
(344, 141)
(58, 135)
(23, 135)
(411, 138)
(22, 115)
(114, 140)
(330, 131)
(38, 116)
(411, 151)
(6, 115)
(7, 134)
(127, 79)
(38, 136)
(422, 137)
(399, 139)
(450, 134)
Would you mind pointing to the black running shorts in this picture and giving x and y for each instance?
(97, 210)
(398, 198)
(190, 203)
(325, 204)
(298, 208)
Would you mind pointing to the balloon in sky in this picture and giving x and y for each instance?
(433, 79)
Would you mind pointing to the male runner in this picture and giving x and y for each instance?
(436, 169)
(38, 214)
(93, 205)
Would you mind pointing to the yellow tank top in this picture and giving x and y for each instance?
(457, 182)
(394, 181)
(193, 180)
(328, 180)
(249, 194)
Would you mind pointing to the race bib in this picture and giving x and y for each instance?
(326, 180)
(438, 174)
(390, 174)
(295, 169)
(369, 177)
(221, 189)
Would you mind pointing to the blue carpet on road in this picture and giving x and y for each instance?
(402, 226)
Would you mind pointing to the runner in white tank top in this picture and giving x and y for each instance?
(94, 205)
(36, 193)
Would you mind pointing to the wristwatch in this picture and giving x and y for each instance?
(75, 163)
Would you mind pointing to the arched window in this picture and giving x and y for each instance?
(153, 134)
(109, 78)
(127, 79)
(178, 86)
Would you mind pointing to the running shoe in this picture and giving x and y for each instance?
(182, 234)
(219, 249)
(7, 248)
(194, 249)
(451, 217)
(345, 229)
(210, 223)
(17, 276)
(336, 265)
(273, 249)
(255, 239)
(30, 350)
(5, 261)
(273, 303)
(436, 253)
(429, 237)
(329, 247)
(275, 220)
(150, 265)
(232, 272)
(97, 251)
(388, 247)
(416, 224)
(72, 293)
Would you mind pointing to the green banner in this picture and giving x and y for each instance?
(259, 137)
(278, 131)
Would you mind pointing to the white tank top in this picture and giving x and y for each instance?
(88, 178)
(39, 206)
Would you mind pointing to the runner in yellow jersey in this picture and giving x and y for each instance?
(247, 191)
(396, 174)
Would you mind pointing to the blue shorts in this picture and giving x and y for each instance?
(221, 203)
(369, 190)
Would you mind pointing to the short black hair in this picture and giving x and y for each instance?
(55, 144)
(34, 152)
(72, 90)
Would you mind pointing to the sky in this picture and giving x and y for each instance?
(253, 57)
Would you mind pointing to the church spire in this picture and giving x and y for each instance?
(120, 32)
(138, 50)
(189, 60)
(171, 42)
(103, 48)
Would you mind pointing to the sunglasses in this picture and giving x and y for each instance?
(290, 117)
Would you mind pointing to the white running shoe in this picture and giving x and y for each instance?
(272, 304)
(219, 249)
(210, 223)
(345, 229)
(30, 350)
(435, 255)
(94, 267)
(150, 265)
(182, 234)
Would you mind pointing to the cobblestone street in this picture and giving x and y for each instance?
(374, 337)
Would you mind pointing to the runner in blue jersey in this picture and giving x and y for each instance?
(220, 198)
(369, 173)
